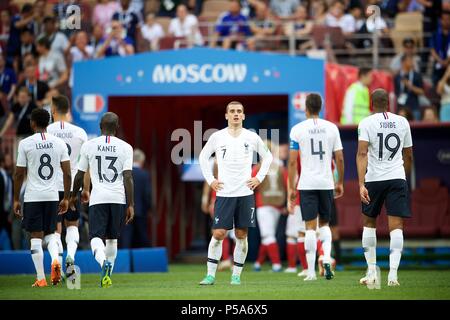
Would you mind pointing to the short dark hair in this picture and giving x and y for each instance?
(26, 30)
(380, 99)
(363, 71)
(314, 103)
(23, 89)
(27, 7)
(232, 103)
(49, 19)
(43, 41)
(40, 117)
(109, 122)
(408, 40)
(61, 103)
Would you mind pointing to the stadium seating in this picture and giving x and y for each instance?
(349, 211)
(428, 204)
(334, 34)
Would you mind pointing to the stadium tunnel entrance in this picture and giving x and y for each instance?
(147, 123)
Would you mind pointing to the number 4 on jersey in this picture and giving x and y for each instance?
(320, 152)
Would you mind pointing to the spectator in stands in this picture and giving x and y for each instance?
(58, 40)
(103, 13)
(81, 50)
(51, 66)
(440, 47)
(6, 200)
(232, 27)
(443, 89)
(318, 11)
(186, 25)
(129, 18)
(117, 43)
(409, 48)
(284, 9)
(409, 86)
(135, 234)
(336, 17)
(300, 27)
(5, 24)
(20, 21)
(409, 5)
(430, 115)
(7, 81)
(152, 31)
(37, 89)
(96, 38)
(168, 8)
(261, 27)
(39, 16)
(27, 44)
(357, 99)
(20, 115)
(406, 112)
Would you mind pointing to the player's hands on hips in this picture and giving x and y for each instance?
(63, 206)
(338, 190)
(253, 183)
(216, 185)
(130, 215)
(18, 209)
(85, 195)
(364, 194)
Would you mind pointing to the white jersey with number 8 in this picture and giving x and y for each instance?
(106, 157)
(42, 154)
(387, 134)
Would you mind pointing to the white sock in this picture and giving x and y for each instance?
(72, 239)
(111, 251)
(60, 247)
(325, 237)
(311, 248)
(239, 255)
(37, 254)
(396, 247)
(369, 243)
(214, 254)
(52, 246)
(98, 249)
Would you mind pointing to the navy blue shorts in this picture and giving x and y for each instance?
(234, 212)
(315, 203)
(106, 220)
(70, 215)
(40, 216)
(393, 193)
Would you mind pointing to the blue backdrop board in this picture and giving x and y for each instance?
(197, 71)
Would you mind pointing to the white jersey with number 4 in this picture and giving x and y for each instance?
(316, 139)
(106, 157)
(74, 137)
(234, 161)
(387, 134)
(42, 154)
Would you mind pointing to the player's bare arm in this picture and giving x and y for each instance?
(407, 160)
(129, 191)
(85, 193)
(216, 185)
(19, 175)
(339, 187)
(67, 180)
(78, 181)
(292, 174)
(361, 163)
(266, 162)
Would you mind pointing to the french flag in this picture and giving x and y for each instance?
(90, 103)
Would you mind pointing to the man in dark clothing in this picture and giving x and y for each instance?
(37, 88)
(135, 234)
(439, 47)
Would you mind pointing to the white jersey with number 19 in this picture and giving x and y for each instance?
(106, 157)
(316, 139)
(74, 137)
(387, 134)
(42, 154)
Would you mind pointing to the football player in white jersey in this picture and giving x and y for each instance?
(235, 202)
(40, 156)
(384, 159)
(74, 137)
(317, 140)
(110, 163)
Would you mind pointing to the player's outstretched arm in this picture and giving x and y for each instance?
(361, 164)
(129, 191)
(339, 158)
(292, 177)
(19, 175)
(78, 181)
(67, 181)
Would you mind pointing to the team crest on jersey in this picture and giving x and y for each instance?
(246, 145)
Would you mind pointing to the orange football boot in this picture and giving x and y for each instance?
(56, 272)
(40, 283)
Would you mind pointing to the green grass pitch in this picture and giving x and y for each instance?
(181, 282)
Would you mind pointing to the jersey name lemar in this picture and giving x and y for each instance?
(45, 145)
(106, 148)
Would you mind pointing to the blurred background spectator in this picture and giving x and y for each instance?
(152, 31)
(116, 43)
(409, 48)
(186, 25)
(52, 67)
(443, 89)
(37, 88)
